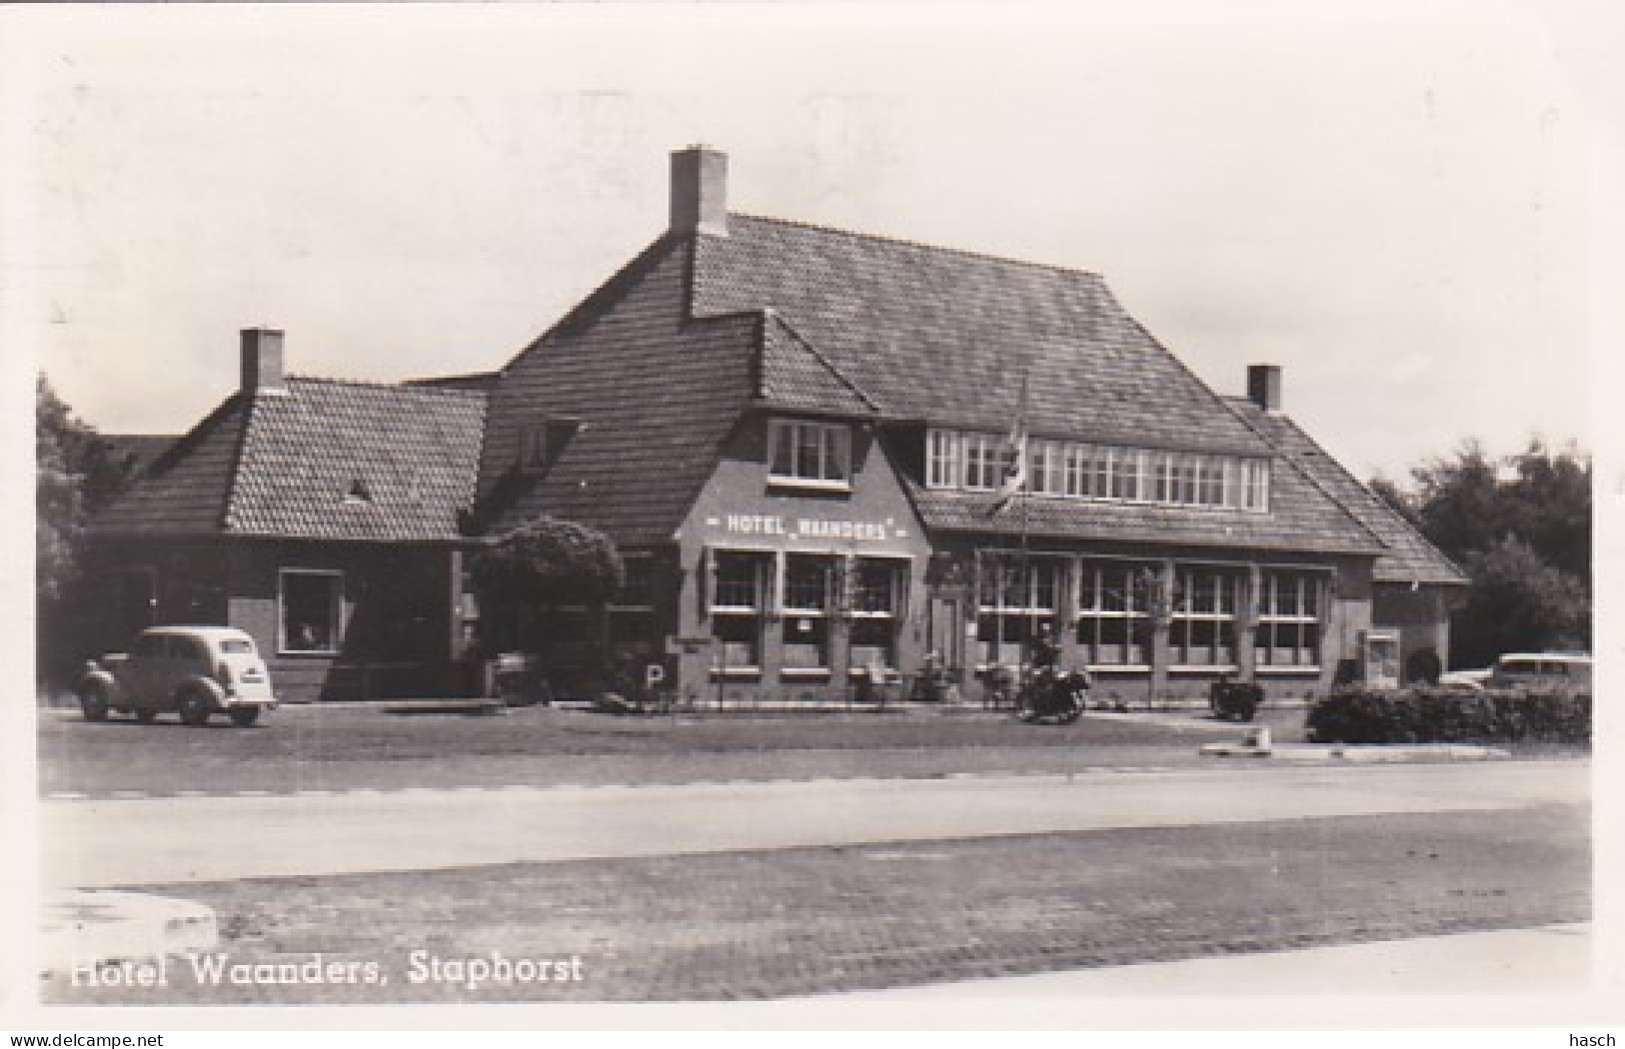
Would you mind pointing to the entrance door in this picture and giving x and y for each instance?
(946, 630)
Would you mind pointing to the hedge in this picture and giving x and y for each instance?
(1438, 715)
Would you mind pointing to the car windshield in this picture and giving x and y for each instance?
(237, 646)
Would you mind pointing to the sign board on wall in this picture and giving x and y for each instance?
(793, 528)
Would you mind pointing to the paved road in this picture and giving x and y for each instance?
(152, 841)
(1546, 959)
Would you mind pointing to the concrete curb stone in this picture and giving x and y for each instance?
(1361, 753)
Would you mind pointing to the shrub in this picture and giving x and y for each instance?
(1434, 715)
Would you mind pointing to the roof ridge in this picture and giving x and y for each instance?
(231, 512)
(982, 256)
(576, 319)
(773, 315)
(1375, 499)
(384, 384)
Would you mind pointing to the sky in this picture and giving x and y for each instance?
(1396, 202)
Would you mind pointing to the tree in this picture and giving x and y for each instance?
(1460, 504)
(549, 561)
(1524, 540)
(75, 475)
(1519, 602)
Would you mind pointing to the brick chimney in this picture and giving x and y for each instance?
(262, 360)
(699, 191)
(1264, 386)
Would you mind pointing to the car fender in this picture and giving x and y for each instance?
(204, 684)
(98, 677)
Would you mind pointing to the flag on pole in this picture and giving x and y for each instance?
(1015, 456)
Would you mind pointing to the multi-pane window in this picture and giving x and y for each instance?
(943, 459)
(983, 461)
(1202, 632)
(1114, 624)
(877, 587)
(807, 583)
(1128, 473)
(1016, 598)
(1289, 614)
(810, 453)
(739, 590)
(1043, 475)
(1076, 478)
(975, 462)
(1255, 484)
(807, 594)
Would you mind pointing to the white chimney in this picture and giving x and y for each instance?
(262, 360)
(699, 191)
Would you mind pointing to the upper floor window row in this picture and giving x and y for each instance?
(810, 453)
(975, 462)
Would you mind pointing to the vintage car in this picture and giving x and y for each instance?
(1564, 670)
(195, 671)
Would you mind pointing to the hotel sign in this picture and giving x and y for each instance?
(794, 528)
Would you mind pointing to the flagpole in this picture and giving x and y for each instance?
(1013, 487)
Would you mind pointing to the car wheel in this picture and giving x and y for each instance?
(93, 703)
(146, 715)
(196, 708)
(243, 717)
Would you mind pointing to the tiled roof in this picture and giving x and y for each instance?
(656, 394)
(323, 459)
(184, 491)
(347, 460)
(1408, 556)
(795, 375)
(136, 451)
(935, 333)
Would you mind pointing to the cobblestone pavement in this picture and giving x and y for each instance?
(750, 925)
(365, 747)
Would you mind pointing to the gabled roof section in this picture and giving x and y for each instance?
(945, 335)
(795, 375)
(183, 492)
(357, 461)
(1408, 557)
(321, 459)
(657, 395)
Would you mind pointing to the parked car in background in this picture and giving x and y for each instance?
(1542, 670)
(194, 671)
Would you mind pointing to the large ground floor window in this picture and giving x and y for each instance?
(1202, 630)
(1289, 619)
(1017, 597)
(311, 603)
(876, 602)
(738, 604)
(805, 604)
(1114, 618)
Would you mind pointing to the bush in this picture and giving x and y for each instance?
(1434, 715)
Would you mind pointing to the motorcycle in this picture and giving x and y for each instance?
(1053, 695)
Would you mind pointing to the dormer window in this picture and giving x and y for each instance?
(358, 493)
(810, 454)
